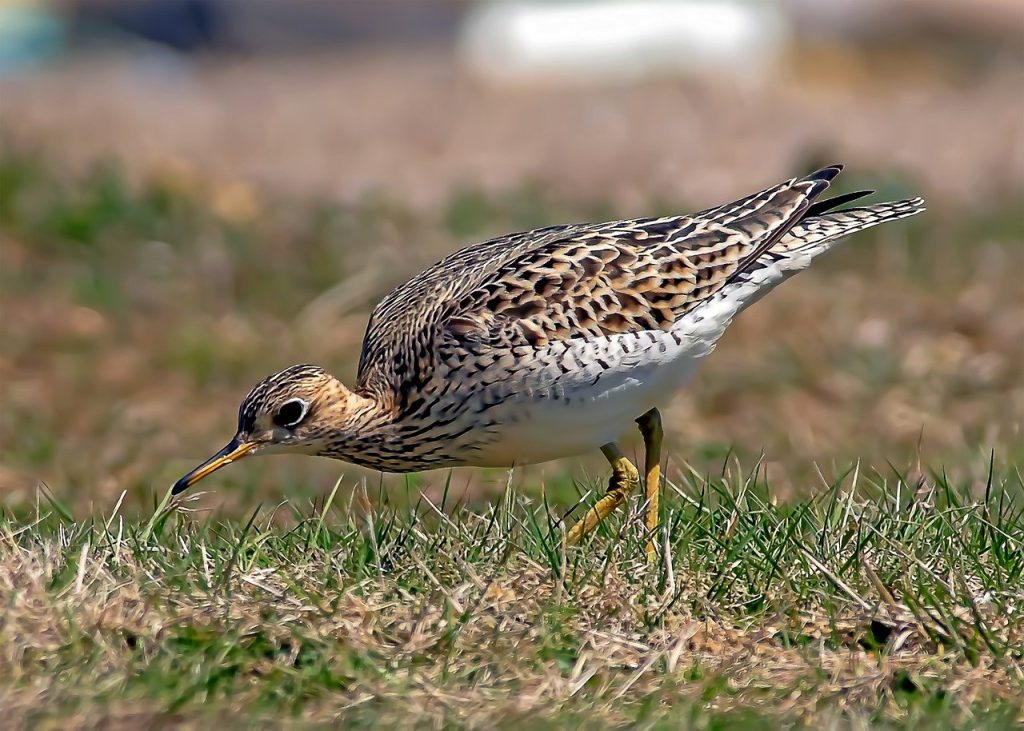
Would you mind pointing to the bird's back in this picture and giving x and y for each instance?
(518, 294)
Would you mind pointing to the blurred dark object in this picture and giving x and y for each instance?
(185, 25)
(989, 27)
(273, 25)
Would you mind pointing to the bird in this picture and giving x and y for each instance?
(550, 343)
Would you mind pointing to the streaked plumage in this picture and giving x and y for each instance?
(551, 342)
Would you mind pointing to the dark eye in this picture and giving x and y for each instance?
(290, 413)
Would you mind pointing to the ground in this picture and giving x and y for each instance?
(842, 531)
(901, 610)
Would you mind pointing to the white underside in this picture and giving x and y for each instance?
(586, 417)
(569, 414)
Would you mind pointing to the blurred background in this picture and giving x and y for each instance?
(194, 194)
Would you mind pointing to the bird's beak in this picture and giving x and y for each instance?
(234, 451)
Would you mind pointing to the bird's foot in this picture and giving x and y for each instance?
(625, 478)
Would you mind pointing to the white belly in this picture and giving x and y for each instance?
(580, 412)
(589, 392)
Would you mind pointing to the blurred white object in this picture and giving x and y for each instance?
(622, 39)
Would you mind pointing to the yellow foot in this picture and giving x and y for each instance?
(625, 479)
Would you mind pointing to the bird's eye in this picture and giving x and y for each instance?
(290, 413)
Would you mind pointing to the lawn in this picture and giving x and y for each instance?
(840, 542)
(876, 603)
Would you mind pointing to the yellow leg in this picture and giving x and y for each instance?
(625, 478)
(650, 428)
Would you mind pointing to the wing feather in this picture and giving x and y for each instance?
(629, 276)
(591, 280)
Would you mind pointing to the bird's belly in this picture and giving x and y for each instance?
(542, 432)
(538, 427)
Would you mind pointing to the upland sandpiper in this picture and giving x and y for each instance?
(549, 343)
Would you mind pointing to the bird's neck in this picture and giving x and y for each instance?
(354, 414)
(372, 432)
(374, 409)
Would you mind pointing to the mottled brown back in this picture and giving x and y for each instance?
(583, 280)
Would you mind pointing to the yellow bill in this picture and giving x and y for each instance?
(234, 451)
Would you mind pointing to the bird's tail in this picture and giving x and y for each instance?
(820, 229)
(823, 228)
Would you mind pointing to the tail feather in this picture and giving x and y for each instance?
(819, 207)
(812, 228)
(810, 237)
(815, 234)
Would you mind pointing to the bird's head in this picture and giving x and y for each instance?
(301, 410)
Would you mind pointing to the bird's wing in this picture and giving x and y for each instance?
(398, 346)
(578, 281)
(628, 276)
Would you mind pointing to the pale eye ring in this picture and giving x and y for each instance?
(291, 413)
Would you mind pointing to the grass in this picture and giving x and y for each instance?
(876, 603)
(809, 589)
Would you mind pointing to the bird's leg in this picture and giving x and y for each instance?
(650, 429)
(625, 478)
